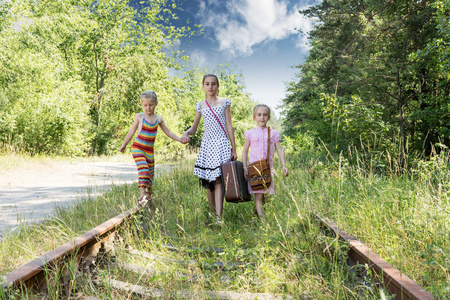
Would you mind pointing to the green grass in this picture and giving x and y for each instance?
(287, 255)
(29, 242)
(402, 218)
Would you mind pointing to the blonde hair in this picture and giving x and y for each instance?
(149, 95)
(258, 106)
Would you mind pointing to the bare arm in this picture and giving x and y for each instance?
(230, 132)
(131, 132)
(167, 131)
(245, 156)
(185, 137)
(281, 156)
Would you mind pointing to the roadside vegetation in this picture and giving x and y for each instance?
(402, 218)
(365, 129)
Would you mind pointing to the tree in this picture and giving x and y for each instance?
(432, 68)
(73, 73)
(361, 50)
(126, 52)
(105, 53)
(42, 105)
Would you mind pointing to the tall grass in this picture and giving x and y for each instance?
(285, 256)
(403, 215)
(29, 242)
(402, 218)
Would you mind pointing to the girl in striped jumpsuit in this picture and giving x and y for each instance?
(147, 122)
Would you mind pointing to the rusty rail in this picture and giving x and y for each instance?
(396, 282)
(89, 244)
(84, 246)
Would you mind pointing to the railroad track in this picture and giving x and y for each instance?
(88, 253)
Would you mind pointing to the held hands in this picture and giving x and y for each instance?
(184, 141)
(185, 138)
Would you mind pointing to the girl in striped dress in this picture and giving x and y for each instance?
(142, 149)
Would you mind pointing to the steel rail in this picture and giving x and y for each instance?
(396, 282)
(32, 274)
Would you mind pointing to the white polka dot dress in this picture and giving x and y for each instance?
(215, 147)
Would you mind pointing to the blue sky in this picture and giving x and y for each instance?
(260, 38)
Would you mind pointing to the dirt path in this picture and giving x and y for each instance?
(29, 195)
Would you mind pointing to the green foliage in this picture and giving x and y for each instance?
(431, 64)
(188, 90)
(352, 122)
(5, 9)
(72, 73)
(298, 144)
(41, 109)
(55, 123)
(365, 53)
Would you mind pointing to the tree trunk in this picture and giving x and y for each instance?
(401, 101)
(403, 132)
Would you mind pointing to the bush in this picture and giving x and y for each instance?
(55, 123)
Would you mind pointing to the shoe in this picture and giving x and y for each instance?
(142, 201)
(219, 221)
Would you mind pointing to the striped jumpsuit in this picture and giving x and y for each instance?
(142, 151)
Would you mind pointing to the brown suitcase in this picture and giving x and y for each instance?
(235, 187)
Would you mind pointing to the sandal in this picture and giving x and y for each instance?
(148, 196)
(142, 201)
(148, 192)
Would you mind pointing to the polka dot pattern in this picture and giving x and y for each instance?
(215, 147)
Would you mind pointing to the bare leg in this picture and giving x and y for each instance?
(218, 196)
(259, 199)
(142, 191)
(211, 201)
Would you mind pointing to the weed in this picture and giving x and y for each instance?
(401, 218)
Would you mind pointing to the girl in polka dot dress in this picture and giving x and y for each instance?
(215, 147)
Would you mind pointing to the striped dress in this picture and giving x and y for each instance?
(143, 154)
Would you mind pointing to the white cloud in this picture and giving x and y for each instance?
(303, 42)
(246, 23)
(199, 57)
(177, 43)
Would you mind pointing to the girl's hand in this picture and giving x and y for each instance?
(122, 148)
(285, 171)
(185, 138)
(234, 155)
(184, 141)
(246, 174)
